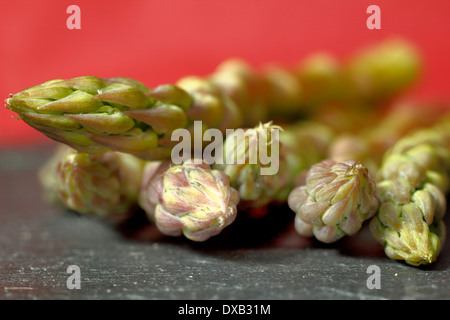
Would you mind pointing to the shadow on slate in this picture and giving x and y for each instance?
(274, 230)
(245, 232)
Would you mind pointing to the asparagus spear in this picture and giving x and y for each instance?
(94, 115)
(368, 144)
(199, 200)
(351, 94)
(270, 161)
(335, 200)
(408, 199)
(104, 185)
(412, 183)
(383, 70)
(189, 199)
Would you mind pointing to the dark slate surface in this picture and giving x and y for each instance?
(251, 259)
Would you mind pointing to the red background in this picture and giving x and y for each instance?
(159, 41)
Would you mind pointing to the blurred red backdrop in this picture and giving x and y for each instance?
(159, 41)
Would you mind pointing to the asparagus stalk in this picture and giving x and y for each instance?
(383, 70)
(349, 95)
(189, 199)
(270, 161)
(199, 200)
(335, 200)
(103, 185)
(412, 183)
(321, 86)
(94, 115)
(369, 144)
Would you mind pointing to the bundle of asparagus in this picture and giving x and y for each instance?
(302, 145)
(199, 200)
(95, 115)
